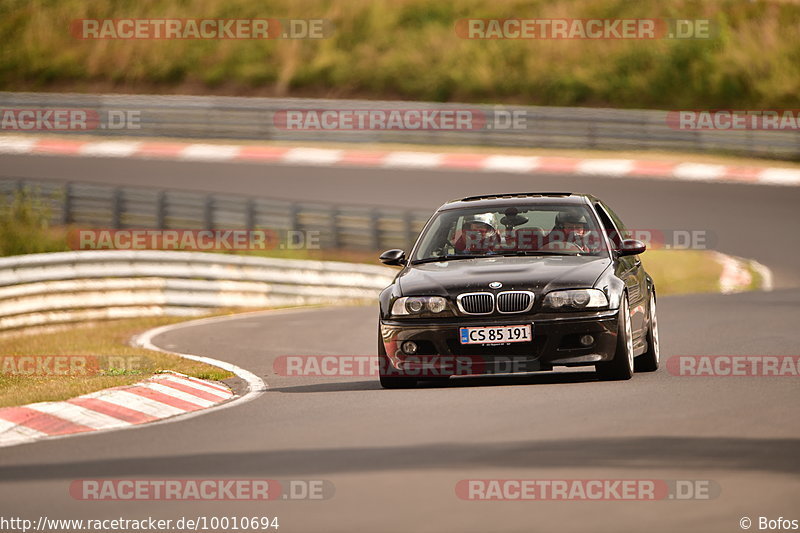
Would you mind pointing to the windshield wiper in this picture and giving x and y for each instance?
(536, 252)
(448, 258)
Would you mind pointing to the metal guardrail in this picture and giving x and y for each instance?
(61, 287)
(545, 127)
(335, 226)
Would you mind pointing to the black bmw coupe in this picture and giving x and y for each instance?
(518, 282)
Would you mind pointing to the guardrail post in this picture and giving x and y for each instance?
(161, 210)
(66, 216)
(294, 223)
(208, 212)
(116, 208)
(409, 224)
(334, 217)
(250, 214)
(17, 191)
(795, 154)
(374, 221)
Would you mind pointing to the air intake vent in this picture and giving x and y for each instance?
(476, 303)
(514, 301)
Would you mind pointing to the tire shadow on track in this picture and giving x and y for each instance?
(701, 453)
(549, 378)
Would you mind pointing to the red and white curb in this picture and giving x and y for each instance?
(700, 172)
(162, 396)
(736, 274)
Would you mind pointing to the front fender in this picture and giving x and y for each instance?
(385, 299)
(612, 285)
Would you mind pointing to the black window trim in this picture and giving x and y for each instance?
(601, 208)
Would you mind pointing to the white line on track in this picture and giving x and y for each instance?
(110, 148)
(210, 152)
(780, 176)
(605, 167)
(255, 385)
(698, 172)
(312, 156)
(17, 145)
(412, 160)
(510, 163)
(196, 385)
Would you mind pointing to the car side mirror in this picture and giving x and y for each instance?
(631, 247)
(393, 257)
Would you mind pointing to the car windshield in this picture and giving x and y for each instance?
(524, 229)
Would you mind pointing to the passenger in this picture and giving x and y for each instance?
(475, 237)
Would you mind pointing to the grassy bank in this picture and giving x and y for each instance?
(409, 49)
(98, 339)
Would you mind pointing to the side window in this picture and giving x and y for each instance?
(608, 225)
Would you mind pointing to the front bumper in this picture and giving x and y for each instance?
(555, 343)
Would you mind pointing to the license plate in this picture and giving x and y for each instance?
(495, 334)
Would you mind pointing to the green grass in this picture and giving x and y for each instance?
(24, 226)
(96, 339)
(682, 271)
(408, 49)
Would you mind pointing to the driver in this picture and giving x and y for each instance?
(476, 236)
(570, 227)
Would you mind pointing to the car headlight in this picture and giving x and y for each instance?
(576, 299)
(417, 305)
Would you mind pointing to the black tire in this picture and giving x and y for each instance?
(621, 367)
(649, 360)
(390, 382)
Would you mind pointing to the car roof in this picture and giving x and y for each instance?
(517, 198)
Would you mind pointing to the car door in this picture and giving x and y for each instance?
(629, 269)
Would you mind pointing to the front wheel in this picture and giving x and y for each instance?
(648, 361)
(621, 367)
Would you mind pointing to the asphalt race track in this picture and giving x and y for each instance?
(395, 457)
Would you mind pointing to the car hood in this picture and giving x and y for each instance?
(540, 274)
